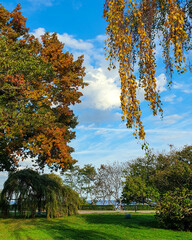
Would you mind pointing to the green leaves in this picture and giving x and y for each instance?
(32, 191)
(175, 209)
(165, 179)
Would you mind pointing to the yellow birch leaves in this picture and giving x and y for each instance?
(131, 29)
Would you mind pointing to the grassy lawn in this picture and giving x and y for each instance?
(89, 226)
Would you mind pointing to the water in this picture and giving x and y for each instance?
(100, 202)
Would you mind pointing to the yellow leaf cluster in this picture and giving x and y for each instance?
(131, 30)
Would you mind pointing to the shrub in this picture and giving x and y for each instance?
(175, 209)
(139, 207)
(97, 207)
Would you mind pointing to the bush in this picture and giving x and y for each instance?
(139, 207)
(175, 210)
(97, 207)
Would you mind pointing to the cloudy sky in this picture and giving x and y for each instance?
(101, 136)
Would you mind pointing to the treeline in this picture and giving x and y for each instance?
(102, 184)
(163, 181)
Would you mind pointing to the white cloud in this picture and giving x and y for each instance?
(73, 43)
(100, 38)
(38, 32)
(187, 90)
(3, 178)
(161, 82)
(172, 119)
(166, 120)
(68, 40)
(102, 92)
(104, 144)
(177, 85)
(104, 129)
(169, 98)
(172, 98)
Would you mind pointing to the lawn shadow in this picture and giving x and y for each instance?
(63, 231)
(136, 221)
(59, 229)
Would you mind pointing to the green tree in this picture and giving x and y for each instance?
(32, 191)
(137, 190)
(73, 179)
(173, 170)
(175, 209)
(25, 188)
(143, 167)
(166, 179)
(87, 176)
(81, 180)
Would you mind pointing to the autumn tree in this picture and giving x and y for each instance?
(39, 82)
(132, 26)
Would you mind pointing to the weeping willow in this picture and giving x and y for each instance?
(31, 192)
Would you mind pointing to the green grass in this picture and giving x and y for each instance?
(111, 226)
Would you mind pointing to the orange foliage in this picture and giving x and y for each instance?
(38, 88)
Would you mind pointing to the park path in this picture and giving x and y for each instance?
(92, 211)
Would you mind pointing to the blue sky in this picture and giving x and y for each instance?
(101, 137)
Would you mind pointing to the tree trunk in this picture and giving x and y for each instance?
(15, 209)
(120, 203)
